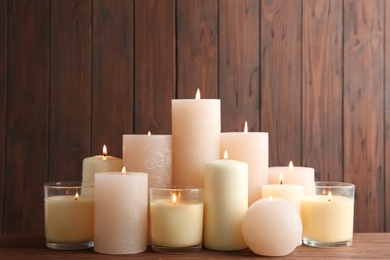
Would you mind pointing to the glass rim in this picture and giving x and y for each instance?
(69, 184)
(330, 184)
(172, 187)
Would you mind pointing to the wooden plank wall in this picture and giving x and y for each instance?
(77, 74)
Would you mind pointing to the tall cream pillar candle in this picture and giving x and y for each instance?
(196, 129)
(121, 201)
(251, 148)
(226, 202)
(151, 154)
(100, 163)
(291, 174)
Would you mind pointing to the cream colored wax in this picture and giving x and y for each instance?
(251, 148)
(291, 174)
(226, 202)
(100, 163)
(120, 212)
(290, 192)
(151, 154)
(327, 219)
(196, 129)
(176, 224)
(69, 220)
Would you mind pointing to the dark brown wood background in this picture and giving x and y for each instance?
(75, 75)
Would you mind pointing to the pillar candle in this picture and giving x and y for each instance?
(100, 163)
(121, 201)
(226, 202)
(151, 154)
(291, 174)
(251, 148)
(196, 129)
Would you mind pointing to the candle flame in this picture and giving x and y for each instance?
(270, 198)
(174, 199)
(246, 127)
(281, 178)
(329, 195)
(291, 165)
(225, 155)
(76, 196)
(149, 133)
(124, 170)
(197, 96)
(104, 152)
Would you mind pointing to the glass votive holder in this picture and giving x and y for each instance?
(176, 214)
(327, 213)
(69, 215)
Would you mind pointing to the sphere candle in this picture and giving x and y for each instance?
(100, 163)
(196, 129)
(251, 148)
(226, 201)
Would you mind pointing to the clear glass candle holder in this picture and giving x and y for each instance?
(69, 215)
(327, 212)
(176, 214)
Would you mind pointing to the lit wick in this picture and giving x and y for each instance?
(329, 196)
(76, 196)
(174, 199)
(281, 178)
(104, 152)
(124, 170)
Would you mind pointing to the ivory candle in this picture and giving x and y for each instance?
(252, 148)
(120, 212)
(226, 202)
(100, 163)
(272, 227)
(291, 174)
(196, 129)
(151, 154)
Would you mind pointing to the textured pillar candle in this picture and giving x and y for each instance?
(121, 201)
(151, 154)
(226, 202)
(196, 129)
(251, 148)
(291, 174)
(100, 163)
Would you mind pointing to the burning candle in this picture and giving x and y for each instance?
(100, 163)
(252, 148)
(291, 174)
(196, 129)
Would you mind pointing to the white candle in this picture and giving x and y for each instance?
(196, 129)
(100, 163)
(120, 212)
(327, 218)
(226, 201)
(291, 174)
(176, 224)
(69, 219)
(151, 154)
(251, 148)
(272, 227)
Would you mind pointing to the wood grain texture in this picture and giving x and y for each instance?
(281, 90)
(197, 48)
(70, 88)
(3, 88)
(112, 74)
(387, 115)
(364, 110)
(154, 65)
(27, 114)
(322, 88)
(239, 64)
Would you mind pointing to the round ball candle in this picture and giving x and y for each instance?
(100, 163)
(252, 148)
(151, 154)
(272, 227)
(196, 129)
(121, 201)
(226, 202)
(291, 174)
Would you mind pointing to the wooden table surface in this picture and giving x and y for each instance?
(365, 246)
